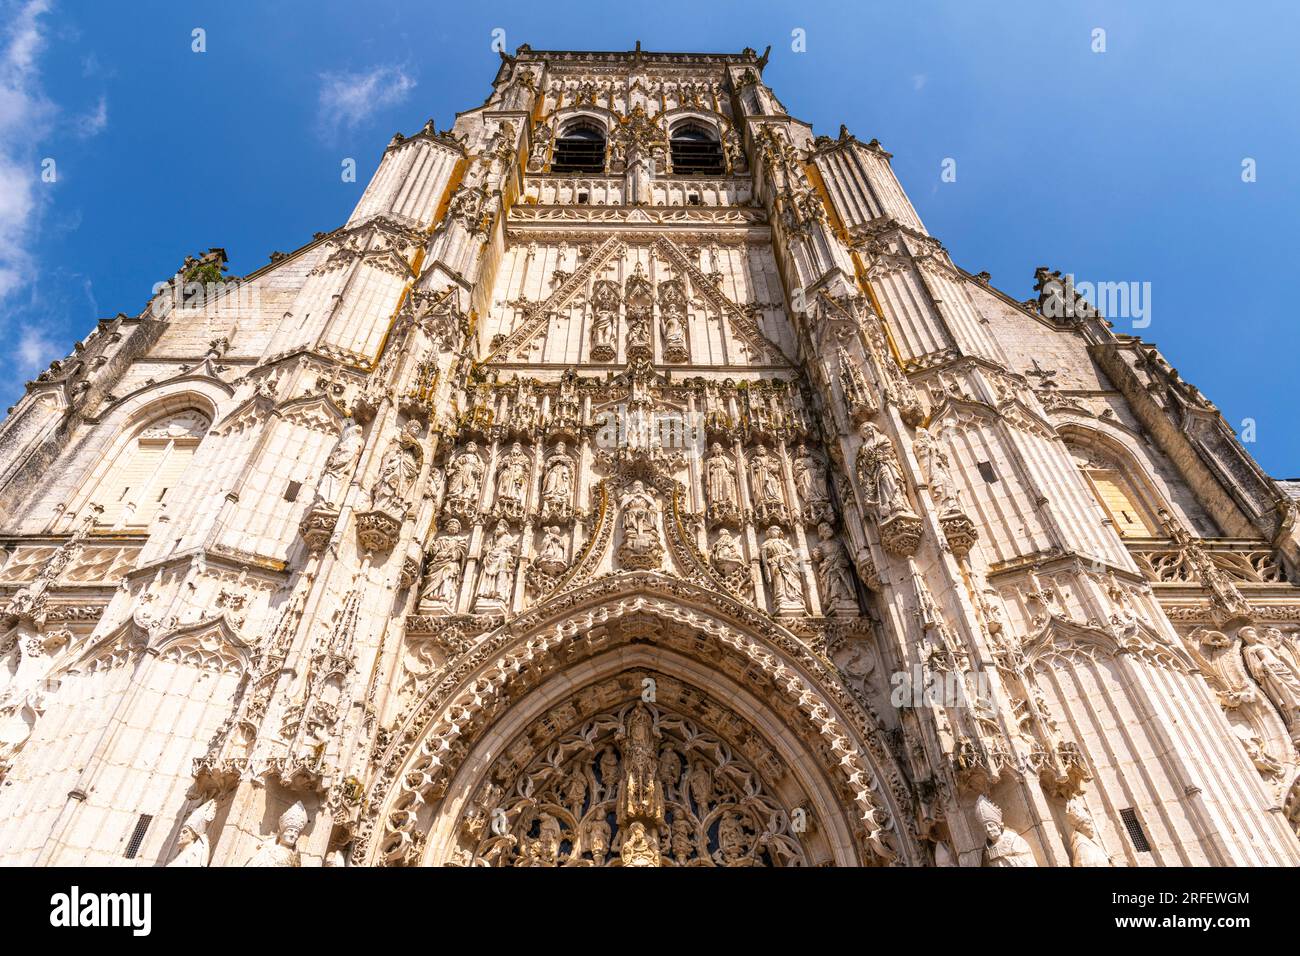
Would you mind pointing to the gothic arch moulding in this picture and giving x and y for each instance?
(104, 447)
(761, 756)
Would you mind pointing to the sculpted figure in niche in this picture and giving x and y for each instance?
(446, 558)
(552, 557)
(937, 467)
(339, 465)
(726, 554)
(640, 846)
(282, 849)
(641, 546)
(464, 475)
(781, 570)
(192, 848)
(810, 478)
(674, 338)
(1004, 847)
(1085, 847)
(1275, 676)
(833, 575)
(766, 473)
(512, 481)
(397, 472)
(882, 480)
(720, 479)
(497, 583)
(597, 841)
(557, 485)
(604, 320)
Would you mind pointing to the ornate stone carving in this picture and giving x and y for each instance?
(641, 547)
(1004, 847)
(723, 502)
(883, 491)
(445, 562)
(496, 581)
(558, 485)
(781, 572)
(192, 847)
(281, 849)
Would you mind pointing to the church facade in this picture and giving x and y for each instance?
(633, 480)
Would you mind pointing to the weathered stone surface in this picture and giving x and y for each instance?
(691, 491)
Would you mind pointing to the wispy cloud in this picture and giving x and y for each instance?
(35, 350)
(94, 122)
(349, 99)
(918, 81)
(25, 118)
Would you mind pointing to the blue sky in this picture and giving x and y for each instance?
(1117, 166)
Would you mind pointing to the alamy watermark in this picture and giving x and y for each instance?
(1065, 298)
(637, 428)
(925, 687)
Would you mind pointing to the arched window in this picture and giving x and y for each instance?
(696, 151)
(1116, 489)
(580, 149)
(149, 469)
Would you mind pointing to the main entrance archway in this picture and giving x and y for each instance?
(638, 721)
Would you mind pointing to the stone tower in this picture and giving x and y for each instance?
(633, 481)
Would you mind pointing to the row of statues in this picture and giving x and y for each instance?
(280, 849)
(766, 483)
(465, 473)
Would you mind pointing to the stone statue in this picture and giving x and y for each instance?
(497, 580)
(781, 570)
(339, 465)
(641, 547)
(464, 476)
(557, 484)
(1276, 677)
(937, 467)
(1004, 847)
(512, 481)
(766, 473)
(674, 337)
(1085, 847)
(552, 557)
(597, 840)
(192, 848)
(282, 849)
(720, 479)
(878, 470)
(726, 554)
(640, 846)
(397, 472)
(810, 478)
(834, 579)
(604, 320)
(446, 558)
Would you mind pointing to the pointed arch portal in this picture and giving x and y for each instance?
(638, 720)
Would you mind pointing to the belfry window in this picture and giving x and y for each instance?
(696, 151)
(581, 149)
(149, 469)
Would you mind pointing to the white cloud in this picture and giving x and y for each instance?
(918, 81)
(95, 122)
(34, 351)
(348, 99)
(25, 118)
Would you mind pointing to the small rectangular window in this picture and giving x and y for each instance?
(291, 493)
(693, 199)
(137, 835)
(582, 199)
(986, 470)
(1134, 828)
